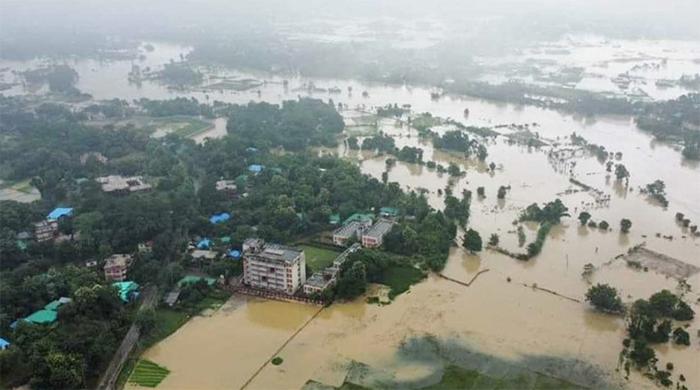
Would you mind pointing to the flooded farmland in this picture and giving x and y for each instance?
(527, 316)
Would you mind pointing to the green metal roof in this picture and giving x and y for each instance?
(125, 288)
(191, 279)
(21, 245)
(359, 217)
(42, 317)
(225, 239)
(390, 211)
(334, 219)
(53, 305)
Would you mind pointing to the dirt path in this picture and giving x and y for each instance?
(109, 378)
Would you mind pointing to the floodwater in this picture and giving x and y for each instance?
(641, 62)
(513, 322)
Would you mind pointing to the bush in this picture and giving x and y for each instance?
(277, 360)
(605, 298)
(681, 337)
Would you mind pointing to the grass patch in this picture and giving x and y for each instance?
(277, 360)
(318, 258)
(400, 278)
(167, 322)
(148, 374)
(183, 126)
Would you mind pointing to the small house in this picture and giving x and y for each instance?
(374, 236)
(4, 344)
(204, 243)
(219, 218)
(117, 266)
(255, 168)
(127, 290)
(59, 213)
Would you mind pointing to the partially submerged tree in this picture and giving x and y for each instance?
(625, 225)
(472, 241)
(584, 216)
(605, 298)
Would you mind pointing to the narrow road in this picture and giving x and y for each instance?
(109, 378)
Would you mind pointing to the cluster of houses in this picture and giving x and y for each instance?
(117, 184)
(282, 269)
(362, 228)
(47, 229)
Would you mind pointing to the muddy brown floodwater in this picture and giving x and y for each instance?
(512, 322)
(508, 324)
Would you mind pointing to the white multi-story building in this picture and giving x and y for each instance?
(273, 267)
(374, 236)
(344, 234)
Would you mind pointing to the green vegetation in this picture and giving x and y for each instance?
(166, 322)
(657, 191)
(625, 225)
(400, 278)
(294, 125)
(148, 374)
(282, 205)
(456, 377)
(183, 126)
(605, 298)
(180, 74)
(318, 258)
(552, 212)
(373, 266)
(472, 241)
(584, 217)
(277, 360)
(649, 322)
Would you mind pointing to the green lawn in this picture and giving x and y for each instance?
(182, 125)
(318, 258)
(400, 279)
(148, 374)
(167, 322)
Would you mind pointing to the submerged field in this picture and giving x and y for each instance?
(524, 317)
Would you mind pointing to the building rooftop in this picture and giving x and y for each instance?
(191, 279)
(347, 230)
(54, 305)
(388, 211)
(204, 243)
(203, 254)
(359, 217)
(318, 280)
(256, 168)
(222, 185)
(42, 317)
(125, 289)
(281, 252)
(60, 212)
(113, 183)
(219, 218)
(379, 229)
(118, 260)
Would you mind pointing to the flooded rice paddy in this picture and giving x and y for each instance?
(494, 325)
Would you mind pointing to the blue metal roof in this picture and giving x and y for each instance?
(236, 254)
(60, 212)
(4, 343)
(256, 168)
(218, 218)
(204, 243)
